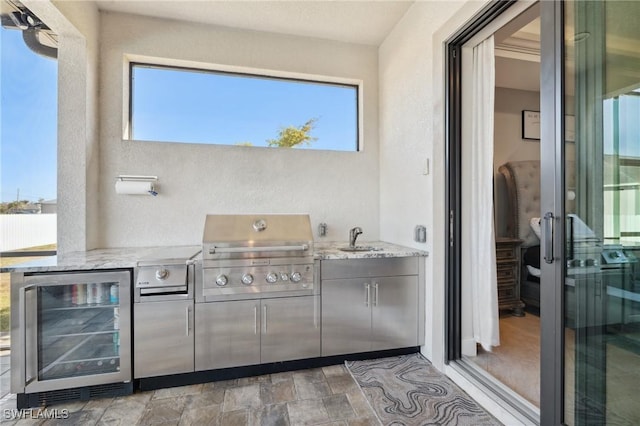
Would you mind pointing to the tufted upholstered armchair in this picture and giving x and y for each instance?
(522, 180)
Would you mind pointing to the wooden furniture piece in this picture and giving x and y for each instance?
(522, 180)
(508, 273)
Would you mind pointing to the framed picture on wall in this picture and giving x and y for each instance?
(531, 126)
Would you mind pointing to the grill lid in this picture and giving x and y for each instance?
(234, 236)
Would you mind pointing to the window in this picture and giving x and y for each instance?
(171, 104)
(28, 148)
(622, 168)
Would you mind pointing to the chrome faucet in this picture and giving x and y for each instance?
(353, 234)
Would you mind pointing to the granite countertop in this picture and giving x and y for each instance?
(117, 258)
(331, 250)
(113, 258)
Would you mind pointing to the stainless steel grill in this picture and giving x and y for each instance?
(256, 256)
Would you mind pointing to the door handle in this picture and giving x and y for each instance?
(26, 340)
(367, 294)
(375, 294)
(255, 319)
(316, 312)
(548, 237)
(264, 318)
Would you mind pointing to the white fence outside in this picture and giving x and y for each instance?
(18, 231)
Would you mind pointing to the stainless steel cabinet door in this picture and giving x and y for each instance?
(290, 328)
(394, 312)
(346, 316)
(227, 334)
(163, 338)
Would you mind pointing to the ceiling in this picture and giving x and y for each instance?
(518, 52)
(517, 74)
(361, 22)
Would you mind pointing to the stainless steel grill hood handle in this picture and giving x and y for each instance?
(302, 247)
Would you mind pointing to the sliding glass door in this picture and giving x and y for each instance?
(589, 205)
(591, 242)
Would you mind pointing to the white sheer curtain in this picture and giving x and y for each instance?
(486, 329)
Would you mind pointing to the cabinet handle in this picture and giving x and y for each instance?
(264, 316)
(367, 294)
(375, 294)
(316, 312)
(255, 319)
(188, 319)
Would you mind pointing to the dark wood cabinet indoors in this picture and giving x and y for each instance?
(508, 274)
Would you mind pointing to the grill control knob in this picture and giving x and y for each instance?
(162, 274)
(222, 280)
(247, 279)
(284, 276)
(272, 277)
(296, 277)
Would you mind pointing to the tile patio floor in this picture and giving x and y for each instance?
(321, 396)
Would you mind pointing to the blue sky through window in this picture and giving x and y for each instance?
(628, 126)
(177, 105)
(29, 107)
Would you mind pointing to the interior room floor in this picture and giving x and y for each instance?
(516, 363)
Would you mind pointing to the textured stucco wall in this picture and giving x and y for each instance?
(508, 142)
(338, 188)
(411, 104)
(77, 27)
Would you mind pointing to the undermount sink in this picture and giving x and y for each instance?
(360, 248)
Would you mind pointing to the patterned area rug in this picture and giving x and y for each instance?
(408, 390)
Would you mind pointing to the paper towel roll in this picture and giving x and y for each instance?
(132, 187)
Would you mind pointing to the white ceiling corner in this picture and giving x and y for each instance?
(361, 22)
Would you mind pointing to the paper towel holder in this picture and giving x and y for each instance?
(139, 178)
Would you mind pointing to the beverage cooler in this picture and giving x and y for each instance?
(70, 336)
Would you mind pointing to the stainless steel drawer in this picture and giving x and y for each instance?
(365, 268)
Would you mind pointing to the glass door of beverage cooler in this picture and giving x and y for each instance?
(76, 330)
